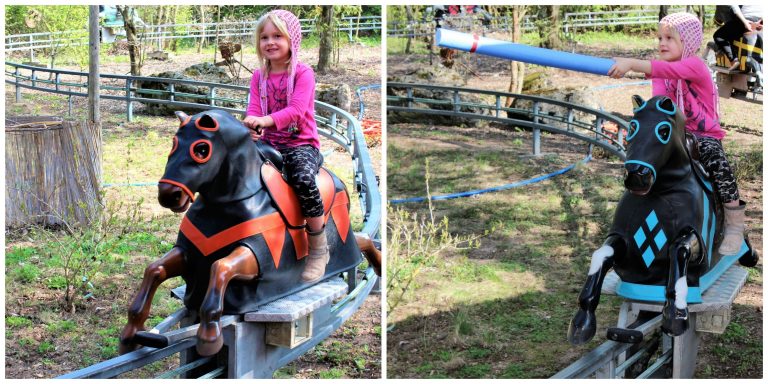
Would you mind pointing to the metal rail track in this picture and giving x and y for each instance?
(542, 114)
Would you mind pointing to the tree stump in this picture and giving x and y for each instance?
(52, 172)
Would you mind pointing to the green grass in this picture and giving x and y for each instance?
(17, 322)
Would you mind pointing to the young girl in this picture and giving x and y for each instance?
(281, 112)
(685, 78)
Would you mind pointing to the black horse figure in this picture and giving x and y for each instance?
(667, 226)
(242, 243)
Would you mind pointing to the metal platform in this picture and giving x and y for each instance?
(297, 305)
(675, 357)
(718, 297)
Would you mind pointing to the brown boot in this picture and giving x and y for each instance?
(318, 257)
(734, 230)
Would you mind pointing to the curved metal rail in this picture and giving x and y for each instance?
(545, 114)
(333, 123)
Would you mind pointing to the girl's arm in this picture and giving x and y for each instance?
(254, 116)
(303, 95)
(254, 107)
(623, 65)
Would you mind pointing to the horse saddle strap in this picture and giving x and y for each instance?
(285, 199)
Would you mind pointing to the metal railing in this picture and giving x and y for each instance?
(158, 33)
(593, 20)
(334, 123)
(571, 20)
(532, 112)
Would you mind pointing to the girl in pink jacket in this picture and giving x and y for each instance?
(685, 78)
(281, 112)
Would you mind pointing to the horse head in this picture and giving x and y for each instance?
(656, 144)
(211, 153)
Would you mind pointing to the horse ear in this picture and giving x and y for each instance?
(207, 123)
(637, 101)
(183, 117)
(667, 105)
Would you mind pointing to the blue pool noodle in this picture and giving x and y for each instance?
(519, 52)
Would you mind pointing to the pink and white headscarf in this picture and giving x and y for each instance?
(689, 29)
(294, 33)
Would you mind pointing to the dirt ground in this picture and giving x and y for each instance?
(743, 122)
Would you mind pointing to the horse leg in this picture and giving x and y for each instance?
(168, 266)
(372, 254)
(241, 264)
(584, 325)
(675, 312)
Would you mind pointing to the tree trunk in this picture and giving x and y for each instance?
(172, 42)
(517, 68)
(409, 17)
(325, 27)
(130, 33)
(553, 28)
(202, 21)
(663, 11)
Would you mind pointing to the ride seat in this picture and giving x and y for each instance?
(269, 154)
(692, 146)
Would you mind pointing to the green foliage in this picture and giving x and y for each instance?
(45, 347)
(19, 255)
(17, 322)
(333, 373)
(21, 19)
(27, 273)
(747, 163)
(414, 244)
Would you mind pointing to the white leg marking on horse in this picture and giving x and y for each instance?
(598, 257)
(681, 293)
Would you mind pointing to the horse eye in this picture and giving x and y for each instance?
(664, 131)
(634, 126)
(200, 151)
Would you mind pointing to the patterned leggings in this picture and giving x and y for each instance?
(713, 158)
(301, 165)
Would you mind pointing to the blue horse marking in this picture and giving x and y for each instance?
(671, 112)
(634, 126)
(664, 133)
(643, 163)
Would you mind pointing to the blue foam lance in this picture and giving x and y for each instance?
(520, 52)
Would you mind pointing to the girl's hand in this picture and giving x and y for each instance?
(254, 123)
(620, 67)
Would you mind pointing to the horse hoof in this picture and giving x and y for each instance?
(583, 327)
(126, 346)
(208, 348)
(749, 259)
(209, 340)
(675, 320)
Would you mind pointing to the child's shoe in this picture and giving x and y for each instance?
(734, 229)
(318, 257)
(734, 65)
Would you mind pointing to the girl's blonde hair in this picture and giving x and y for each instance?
(280, 25)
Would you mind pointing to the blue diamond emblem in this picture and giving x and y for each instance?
(640, 237)
(660, 239)
(648, 257)
(652, 220)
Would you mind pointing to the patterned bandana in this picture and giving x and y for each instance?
(690, 31)
(294, 33)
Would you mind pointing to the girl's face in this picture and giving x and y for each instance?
(273, 45)
(670, 46)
